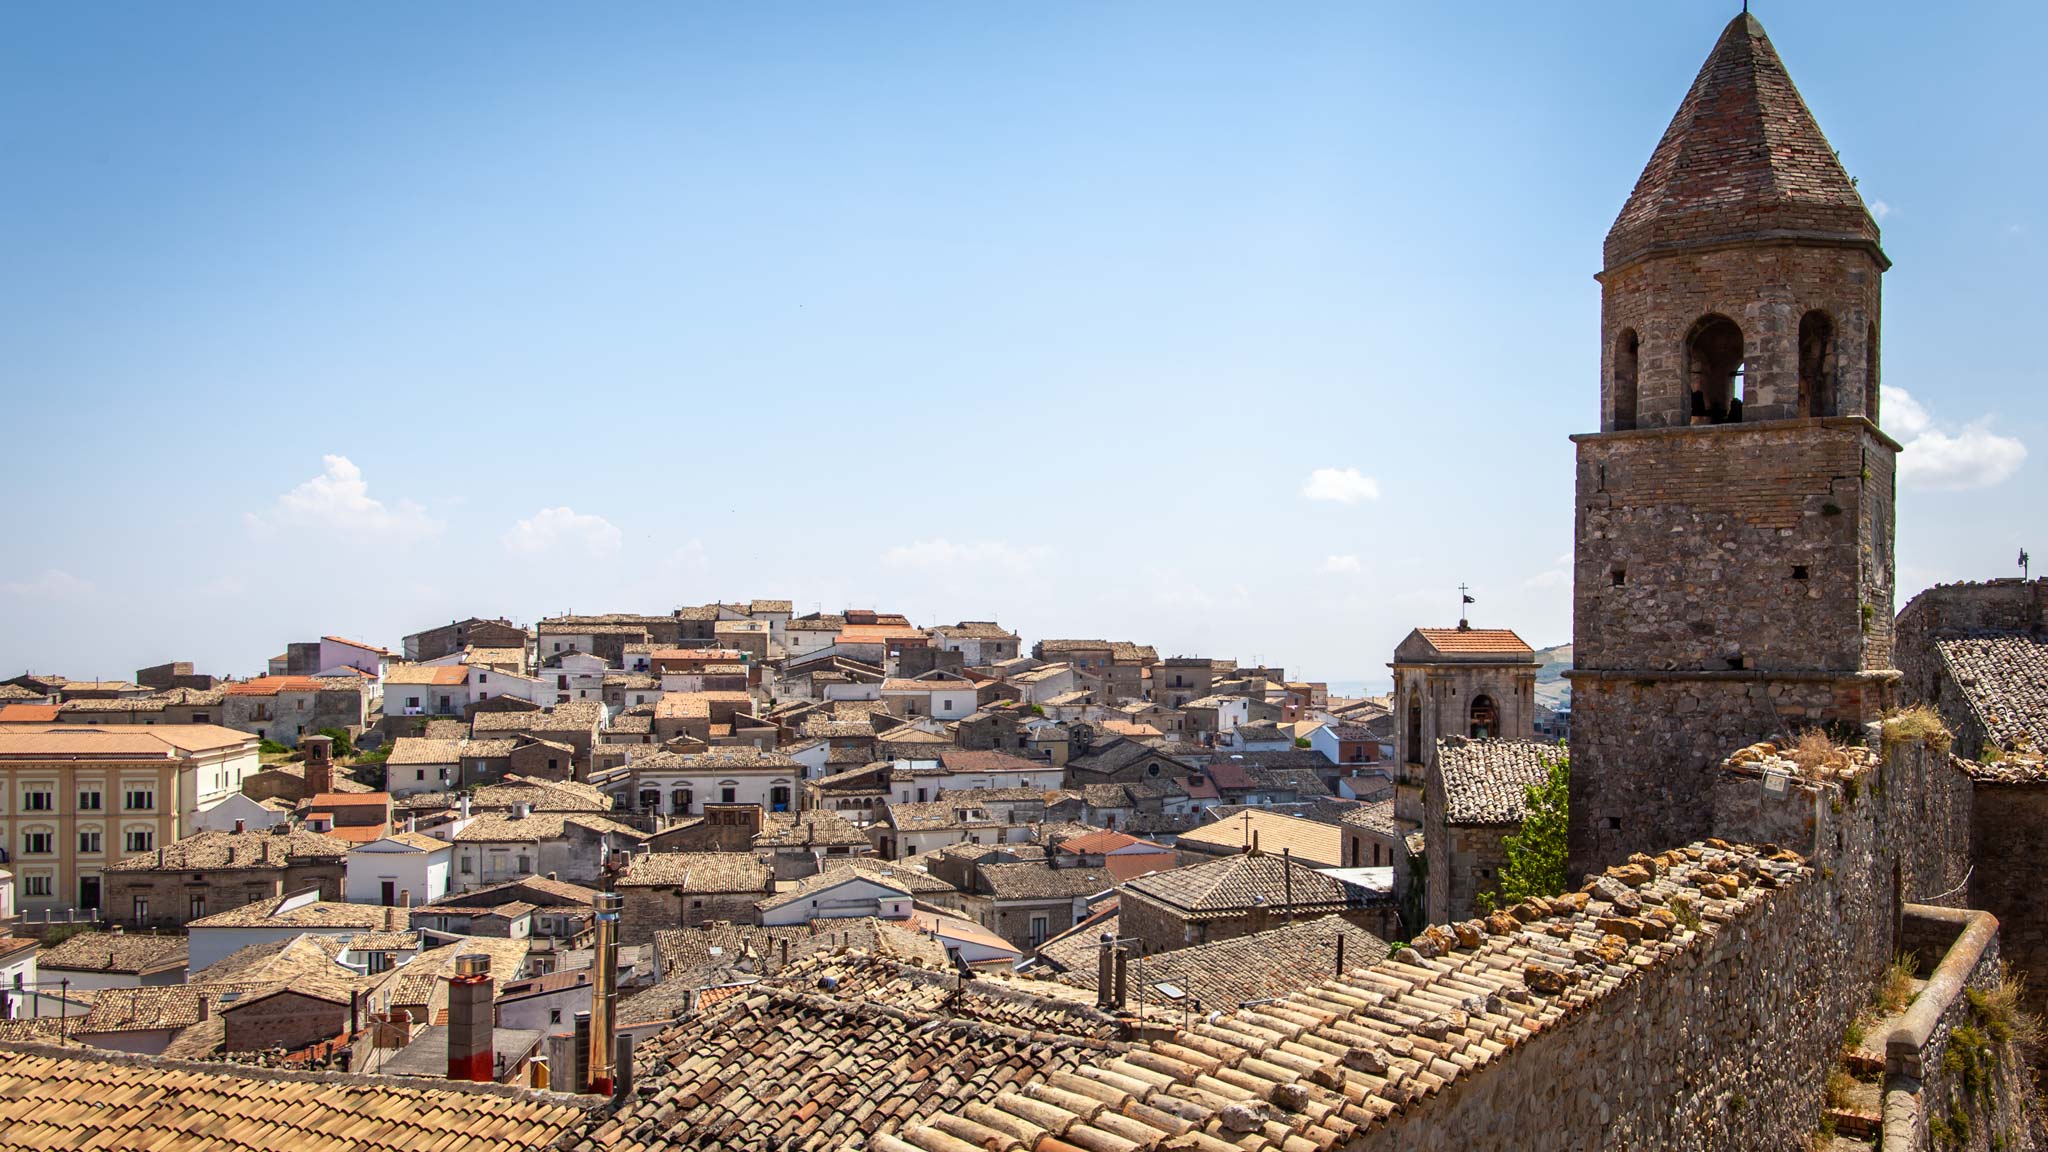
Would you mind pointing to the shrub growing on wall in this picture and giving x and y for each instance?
(1536, 853)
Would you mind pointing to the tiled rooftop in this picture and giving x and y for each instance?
(697, 872)
(1225, 974)
(1229, 887)
(1487, 781)
(218, 850)
(2005, 680)
(115, 952)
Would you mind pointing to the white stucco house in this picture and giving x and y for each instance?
(402, 868)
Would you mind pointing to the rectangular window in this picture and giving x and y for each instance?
(1040, 926)
(198, 908)
(141, 909)
(37, 886)
(467, 867)
(139, 840)
(35, 843)
(88, 842)
(89, 800)
(140, 800)
(36, 802)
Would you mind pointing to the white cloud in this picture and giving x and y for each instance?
(556, 530)
(941, 553)
(1974, 457)
(689, 556)
(1341, 564)
(338, 500)
(1880, 209)
(49, 584)
(1550, 578)
(1343, 485)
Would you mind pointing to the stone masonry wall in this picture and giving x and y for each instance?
(1645, 750)
(1727, 1045)
(1703, 528)
(2009, 840)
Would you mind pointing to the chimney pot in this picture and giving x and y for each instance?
(241, 825)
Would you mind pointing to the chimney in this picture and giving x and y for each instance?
(412, 823)
(604, 991)
(1122, 988)
(579, 1080)
(462, 807)
(1105, 973)
(1287, 879)
(319, 764)
(405, 897)
(521, 810)
(470, 1046)
(204, 1008)
(241, 825)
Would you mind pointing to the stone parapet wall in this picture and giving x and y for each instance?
(1951, 1082)
(1641, 782)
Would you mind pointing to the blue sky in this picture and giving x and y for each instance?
(1243, 330)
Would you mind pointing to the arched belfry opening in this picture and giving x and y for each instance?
(1816, 364)
(1626, 361)
(1485, 719)
(1714, 370)
(1870, 376)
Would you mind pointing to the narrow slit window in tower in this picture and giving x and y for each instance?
(1816, 364)
(1625, 361)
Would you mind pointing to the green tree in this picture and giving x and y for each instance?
(343, 747)
(1536, 853)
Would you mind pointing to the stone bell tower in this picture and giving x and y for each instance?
(1733, 560)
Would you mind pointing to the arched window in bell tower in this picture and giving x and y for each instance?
(1485, 718)
(1625, 363)
(1816, 364)
(1713, 356)
(1870, 376)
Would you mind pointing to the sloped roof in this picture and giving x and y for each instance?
(1309, 841)
(1472, 641)
(2005, 680)
(1487, 781)
(1225, 974)
(115, 952)
(1742, 158)
(1230, 887)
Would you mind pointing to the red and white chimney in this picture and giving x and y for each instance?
(471, 1054)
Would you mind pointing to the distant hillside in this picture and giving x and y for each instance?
(1552, 689)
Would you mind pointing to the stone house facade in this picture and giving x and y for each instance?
(216, 871)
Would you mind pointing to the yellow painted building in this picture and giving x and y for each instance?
(77, 798)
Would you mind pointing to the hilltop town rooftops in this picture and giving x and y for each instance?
(1486, 782)
(1032, 881)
